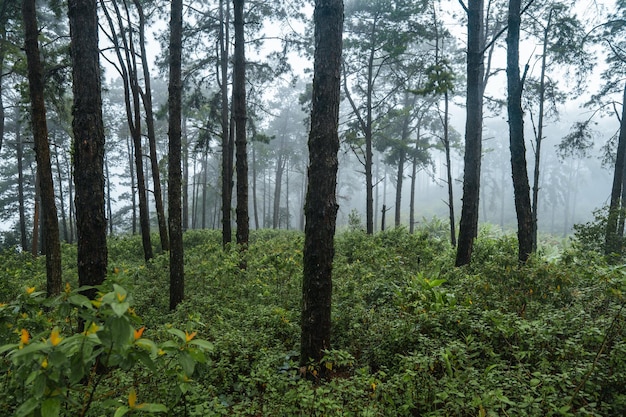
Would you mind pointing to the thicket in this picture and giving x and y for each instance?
(412, 334)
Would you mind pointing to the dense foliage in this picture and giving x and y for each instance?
(412, 335)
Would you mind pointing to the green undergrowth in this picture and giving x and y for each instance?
(412, 334)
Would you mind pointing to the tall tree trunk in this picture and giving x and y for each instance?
(128, 72)
(146, 96)
(280, 168)
(227, 155)
(369, 183)
(515, 86)
(133, 194)
(205, 179)
(321, 204)
(239, 115)
(412, 197)
(177, 271)
(468, 229)
(539, 138)
(185, 162)
(89, 144)
(42, 149)
(20, 182)
(254, 187)
(66, 236)
(108, 195)
(612, 242)
(70, 189)
(36, 218)
(446, 145)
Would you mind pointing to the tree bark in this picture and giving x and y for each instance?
(227, 156)
(468, 229)
(321, 204)
(521, 188)
(177, 271)
(88, 130)
(42, 149)
(239, 115)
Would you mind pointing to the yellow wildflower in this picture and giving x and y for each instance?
(190, 336)
(44, 363)
(139, 332)
(24, 337)
(30, 290)
(55, 339)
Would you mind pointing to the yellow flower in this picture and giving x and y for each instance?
(190, 336)
(161, 352)
(55, 339)
(93, 328)
(68, 288)
(24, 337)
(44, 363)
(139, 332)
(120, 297)
(30, 290)
(373, 386)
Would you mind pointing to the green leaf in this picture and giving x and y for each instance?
(147, 344)
(27, 408)
(121, 330)
(202, 344)
(81, 301)
(152, 408)
(179, 333)
(187, 363)
(51, 407)
(121, 410)
(120, 308)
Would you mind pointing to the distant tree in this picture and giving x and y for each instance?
(177, 271)
(321, 206)
(88, 130)
(377, 36)
(42, 149)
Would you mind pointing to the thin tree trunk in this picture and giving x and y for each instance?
(321, 205)
(539, 138)
(42, 149)
(177, 272)
(227, 154)
(185, 162)
(468, 229)
(280, 168)
(412, 198)
(254, 187)
(66, 237)
(205, 179)
(89, 144)
(446, 143)
(20, 183)
(36, 215)
(70, 188)
(147, 104)
(133, 195)
(109, 197)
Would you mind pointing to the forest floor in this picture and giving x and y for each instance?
(412, 334)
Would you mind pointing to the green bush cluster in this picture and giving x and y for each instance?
(412, 335)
